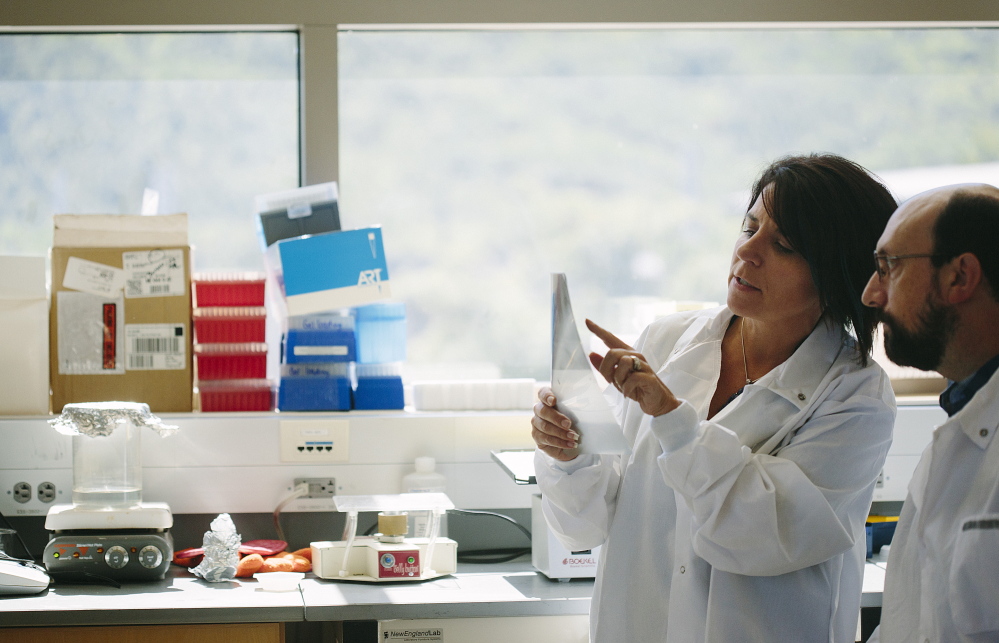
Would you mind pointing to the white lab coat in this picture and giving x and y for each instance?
(942, 582)
(748, 527)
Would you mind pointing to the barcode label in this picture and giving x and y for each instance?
(141, 362)
(156, 347)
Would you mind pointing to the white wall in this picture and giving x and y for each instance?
(232, 462)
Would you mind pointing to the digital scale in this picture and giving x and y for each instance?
(131, 544)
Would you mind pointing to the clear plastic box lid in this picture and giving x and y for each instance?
(381, 311)
(394, 502)
(390, 369)
(296, 197)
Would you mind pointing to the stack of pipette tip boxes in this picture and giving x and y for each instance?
(316, 354)
(339, 351)
(320, 351)
(229, 342)
(381, 351)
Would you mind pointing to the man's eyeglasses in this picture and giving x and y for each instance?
(883, 263)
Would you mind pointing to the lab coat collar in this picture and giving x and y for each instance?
(799, 377)
(796, 379)
(979, 419)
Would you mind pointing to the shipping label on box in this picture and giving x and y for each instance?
(333, 270)
(120, 327)
(94, 278)
(156, 347)
(154, 273)
(89, 337)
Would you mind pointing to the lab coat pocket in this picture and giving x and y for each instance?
(974, 575)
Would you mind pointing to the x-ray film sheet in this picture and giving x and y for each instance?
(574, 382)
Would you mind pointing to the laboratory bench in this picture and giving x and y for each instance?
(504, 590)
(182, 607)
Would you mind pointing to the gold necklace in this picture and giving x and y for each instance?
(745, 365)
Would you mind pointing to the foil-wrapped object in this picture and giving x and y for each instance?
(99, 419)
(221, 545)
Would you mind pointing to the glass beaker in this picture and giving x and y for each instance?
(107, 451)
(107, 469)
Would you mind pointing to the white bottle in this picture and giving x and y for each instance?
(424, 480)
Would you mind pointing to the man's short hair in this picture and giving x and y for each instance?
(970, 223)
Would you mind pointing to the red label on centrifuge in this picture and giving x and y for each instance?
(110, 336)
(399, 564)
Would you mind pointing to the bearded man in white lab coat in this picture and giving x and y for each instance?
(937, 286)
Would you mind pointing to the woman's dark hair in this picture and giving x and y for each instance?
(832, 211)
(970, 223)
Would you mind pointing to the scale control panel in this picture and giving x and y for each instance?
(125, 556)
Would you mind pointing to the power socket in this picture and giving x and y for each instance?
(318, 487)
(32, 492)
(22, 492)
(47, 492)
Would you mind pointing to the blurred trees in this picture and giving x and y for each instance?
(88, 121)
(623, 159)
(491, 158)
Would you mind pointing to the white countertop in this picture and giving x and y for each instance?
(181, 597)
(506, 589)
(509, 589)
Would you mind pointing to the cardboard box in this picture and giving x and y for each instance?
(328, 271)
(24, 337)
(120, 319)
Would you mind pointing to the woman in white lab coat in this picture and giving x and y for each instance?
(757, 429)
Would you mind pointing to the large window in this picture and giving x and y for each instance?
(491, 157)
(89, 122)
(622, 158)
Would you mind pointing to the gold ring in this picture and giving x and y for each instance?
(636, 365)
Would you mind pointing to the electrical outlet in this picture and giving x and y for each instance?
(315, 441)
(47, 492)
(22, 492)
(318, 487)
(32, 492)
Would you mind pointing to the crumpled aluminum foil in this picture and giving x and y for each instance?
(221, 545)
(99, 419)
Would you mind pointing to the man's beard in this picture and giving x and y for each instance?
(924, 347)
